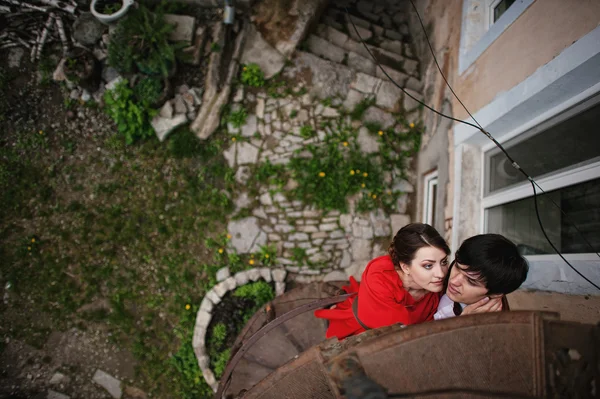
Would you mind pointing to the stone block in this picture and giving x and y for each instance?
(108, 382)
(265, 273)
(325, 49)
(361, 249)
(253, 274)
(398, 221)
(361, 63)
(223, 274)
(366, 83)
(184, 28)
(163, 126)
(278, 275)
(241, 278)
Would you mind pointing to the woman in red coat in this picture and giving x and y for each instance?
(401, 287)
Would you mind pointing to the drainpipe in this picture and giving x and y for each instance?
(229, 12)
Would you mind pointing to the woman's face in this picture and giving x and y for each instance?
(464, 286)
(428, 268)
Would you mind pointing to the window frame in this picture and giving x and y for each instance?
(429, 180)
(571, 175)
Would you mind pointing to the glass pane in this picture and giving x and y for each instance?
(518, 222)
(570, 142)
(501, 8)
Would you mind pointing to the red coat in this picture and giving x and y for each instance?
(383, 301)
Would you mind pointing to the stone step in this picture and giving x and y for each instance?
(339, 19)
(331, 79)
(337, 45)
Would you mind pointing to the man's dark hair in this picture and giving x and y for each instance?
(496, 259)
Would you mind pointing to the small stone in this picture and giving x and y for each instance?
(239, 95)
(246, 235)
(362, 231)
(179, 105)
(111, 85)
(230, 284)
(266, 274)
(250, 127)
(374, 114)
(346, 259)
(361, 249)
(363, 33)
(278, 275)
(220, 289)
(328, 227)
(108, 382)
(353, 99)
(163, 126)
(320, 234)
(265, 199)
(109, 74)
(87, 30)
(167, 110)
(367, 142)
(57, 378)
(197, 94)
(223, 274)
(213, 297)
(403, 186)
(366, 83)
(283, 228)
(56, 395)
(336, 275)
(241, 278)
(253, 274)
(274, 237)
(184, 28)
(206, 305)
(74, 95)
(329, 112)
(247, 154)
(260, 108)
(410, 103)
(279, 288)
(298, 237)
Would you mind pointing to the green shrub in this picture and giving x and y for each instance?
(260, 292)
(360, 108)
(183, 143)
(148, 90)
(132, 118)
(141, 39)
(253, 76)
(237, 118)
(307, 132)
(221, 362)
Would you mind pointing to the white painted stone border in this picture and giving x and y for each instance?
(214, 296)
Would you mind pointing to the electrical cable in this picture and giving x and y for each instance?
(478, 127)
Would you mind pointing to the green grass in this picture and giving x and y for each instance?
(237, 118)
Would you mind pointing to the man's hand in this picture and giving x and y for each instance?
(483, 306)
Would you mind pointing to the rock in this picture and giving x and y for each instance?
(87, 29)
(265, 273)
(246, 154)
(163, 126)
(239, 95)
(366, 83)
(398, 221)
(364, 33)
(410, 67)
(59, 73)
(278, 275)
(394, 46)
(362, 232)
(346, 260)
(184, 28)
(108, 382)
(265, 199)
(325, 49)
(259, 52)
(327, 227)
(203, 317)
(356, 269)
(246, 235)
(361, 249)
(242, 175)
(326, 79)
(361, 64)
(15, 55)
(260, 108)
(223, 274)
(100, 54)
(298, 237)
(253, 274)
(396, 76)
(250, 127)
(329, 112)
(74, 95)
(353, 99)
(166, 111)
(85, 96)
(56, 395)
(242, 201)
(229, 155)
(333, 35)
(392, 34)
(403, 186)
(279, 288)
(414, 84)
(336, 275)
(57, 378)
(179, 105)
(241, 278)
(367, 142)
(380, 223)
(197, 94)
(113, 83)
(374, 114)
(135, 393)
(388, 97)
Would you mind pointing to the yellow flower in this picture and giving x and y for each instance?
(321, 174)
(245, 69)
(233, 139)
(411, 125)
(41, 132)
(365, 174)
(33, 240)
(29, 248)
(380, 132)
(357, 170)
(345, 144)
(251, 261)
(229, 236)
(374, 196)
(220, 250)
(267, 256)
(352, 173)
(187, 306)
(363, 185)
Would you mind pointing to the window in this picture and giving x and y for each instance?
(498, 8)
(430, 197)
(563, 155)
